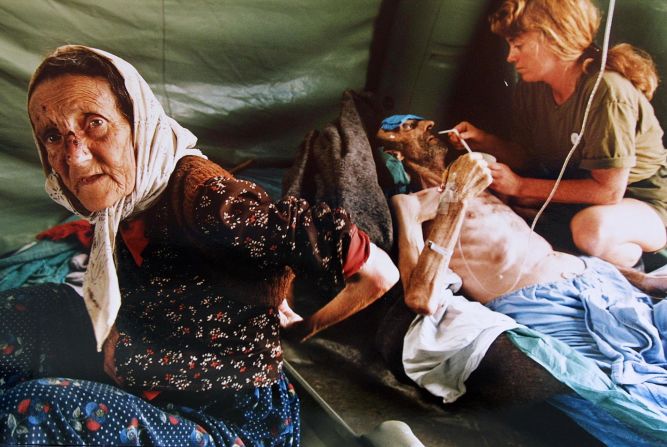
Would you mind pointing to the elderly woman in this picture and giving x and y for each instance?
(614, 192)
(201, 260)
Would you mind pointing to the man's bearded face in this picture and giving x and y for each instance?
(416, 141)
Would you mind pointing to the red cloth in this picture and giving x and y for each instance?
(357, 252)
(149, 395)
(134, 235)
(81, 229)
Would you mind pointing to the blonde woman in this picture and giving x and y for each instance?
(614, 190)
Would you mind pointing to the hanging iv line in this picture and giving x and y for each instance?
(575, 144)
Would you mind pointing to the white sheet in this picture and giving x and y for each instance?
(441, 351)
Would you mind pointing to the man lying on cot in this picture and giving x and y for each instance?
(581, 308)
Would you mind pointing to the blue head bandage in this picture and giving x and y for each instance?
(395, 121)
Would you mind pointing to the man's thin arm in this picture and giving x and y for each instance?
(466, 178)
(426, 282)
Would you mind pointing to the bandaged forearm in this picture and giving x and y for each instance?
(465, 178)
(426, 278)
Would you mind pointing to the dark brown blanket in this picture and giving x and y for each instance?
(336, 165)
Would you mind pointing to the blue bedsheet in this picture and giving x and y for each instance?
(598, 322)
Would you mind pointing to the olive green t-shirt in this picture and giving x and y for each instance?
(621, 131)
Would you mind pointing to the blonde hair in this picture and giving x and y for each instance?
(569, 28)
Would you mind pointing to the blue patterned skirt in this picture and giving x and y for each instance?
(45, 337)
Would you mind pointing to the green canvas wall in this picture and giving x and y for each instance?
(248, 77)
(443, 62)
(251, 77)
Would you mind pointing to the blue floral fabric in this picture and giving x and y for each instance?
(60, 411)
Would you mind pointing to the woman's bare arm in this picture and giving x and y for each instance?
(479, 140)
(605, 186)
(374, 279)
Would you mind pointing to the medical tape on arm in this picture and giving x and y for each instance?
(427, 279)
(444, 231)
(439, 249)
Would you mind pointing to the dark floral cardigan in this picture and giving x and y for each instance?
(203, 274)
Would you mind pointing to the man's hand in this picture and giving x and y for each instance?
(466, 177)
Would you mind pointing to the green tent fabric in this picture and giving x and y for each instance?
(249, 78)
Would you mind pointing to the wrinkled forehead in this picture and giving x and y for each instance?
(394, 122)
(74, 91)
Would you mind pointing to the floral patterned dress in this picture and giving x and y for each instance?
(198, 326)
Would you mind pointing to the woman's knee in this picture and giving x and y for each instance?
(589, 232)
(618, 233)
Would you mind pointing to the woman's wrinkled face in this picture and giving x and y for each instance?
(88, 141)
(533, 60)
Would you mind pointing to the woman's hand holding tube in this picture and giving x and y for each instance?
(474, 136)
(480, 140)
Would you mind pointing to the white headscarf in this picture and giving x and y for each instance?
(159, 143)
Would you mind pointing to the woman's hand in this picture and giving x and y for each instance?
(292, 325)
(288, 317)
(109, 350)
(474, 136)
(505, 181)
(372, 281)
(506, 151)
